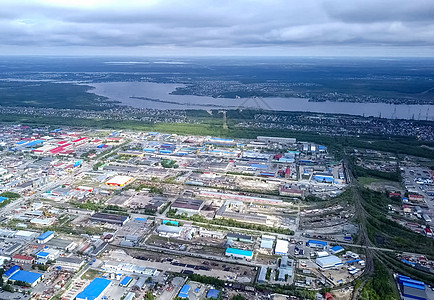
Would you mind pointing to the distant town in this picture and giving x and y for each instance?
(93, 213)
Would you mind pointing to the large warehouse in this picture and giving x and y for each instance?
(31, 278)
(328, 261)
(281, 247)
(95, 290)
(119, 181)
(238, 253)
(109, 218)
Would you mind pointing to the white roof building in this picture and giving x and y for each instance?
(281, 247)
(328, 261)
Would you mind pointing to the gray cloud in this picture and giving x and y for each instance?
(179, 26)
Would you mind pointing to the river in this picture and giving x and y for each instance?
(160, 98)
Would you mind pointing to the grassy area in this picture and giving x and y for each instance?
(368, 180)
(90, 274)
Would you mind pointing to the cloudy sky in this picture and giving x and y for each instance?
(220, 27)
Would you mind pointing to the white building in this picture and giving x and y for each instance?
(281, 247)
(328, 261)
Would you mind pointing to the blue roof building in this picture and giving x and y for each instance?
(94, 290)
(31, 278)
(45, 237)
(3, 199)
(317, 244)
(174, 223)
(213, 294)
(412, 289)
(12, 271)
(234, 252)
(126, 281)
(184, 291)
(336, 249)
(43, 254)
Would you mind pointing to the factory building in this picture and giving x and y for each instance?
(16, 274)
(238, 253)
(262, 274)
(280, 140)
(239, 237)
(267, 242)
(281, 247)
(187, 205)
(95, 290)
(45, 237)
(169, 231)
(70, 263)
(328, 262)
(25, 235)
(184, 291)
(412, 289)
(109, 218)
(119, 181)
(324, 177)
(22, 259)
(317, 244)
(336, 249)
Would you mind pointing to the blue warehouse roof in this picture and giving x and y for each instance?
(45, 235)
(337, 248)
(413, 285)
(317, 242)
(184, 291)
(43, 254)
(94, 289)
(239, 252)
(29, 277)
(12, 271)
(213, 293)
(126, 281)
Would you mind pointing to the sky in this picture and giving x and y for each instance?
(220, 27)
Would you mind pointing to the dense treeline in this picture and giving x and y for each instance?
(363, 172)
(380, 286)
(386, 232)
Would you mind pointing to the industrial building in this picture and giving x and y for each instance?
(25, 235)
(262, 274)
(239, 237)
(169, 231)
(187, 205)
(213, 294)
(280, 140)
(126, 281)
(184, 291)
(327, 262)
(119, 181)
(45, 237)
(324, 177)
(16, 274)
(267, 242)
(317, 244)
(238, 253)
(336, 249)
(70, 263)
(109, 218)
(95, 290)
(281, 247)
(22, 259)
(412, 289)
